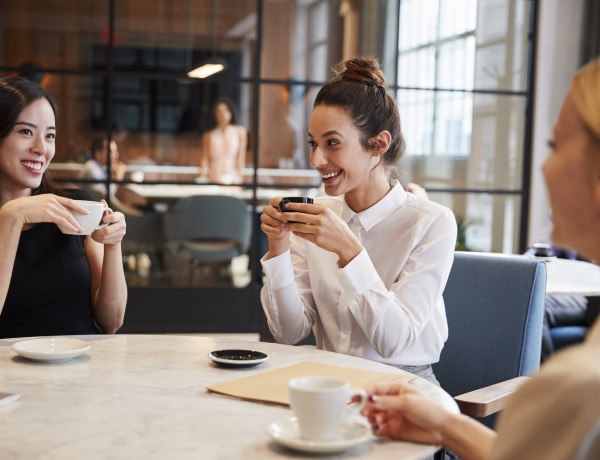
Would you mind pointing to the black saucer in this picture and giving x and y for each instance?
(237, 357)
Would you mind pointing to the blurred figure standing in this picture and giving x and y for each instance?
(224, 146)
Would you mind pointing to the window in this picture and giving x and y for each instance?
(463, 92)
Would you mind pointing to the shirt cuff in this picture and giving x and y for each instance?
(358, 275)
(279, 270)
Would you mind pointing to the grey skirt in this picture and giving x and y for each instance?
(425, 372)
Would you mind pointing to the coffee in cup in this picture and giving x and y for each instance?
(88, 222)
(321, 405)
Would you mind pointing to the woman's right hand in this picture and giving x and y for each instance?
(45, 208)
(274, 226)
(399, 411)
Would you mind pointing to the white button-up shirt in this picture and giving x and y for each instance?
(386, 304)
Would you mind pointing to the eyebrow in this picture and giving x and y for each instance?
(332, 132)
(33, 125)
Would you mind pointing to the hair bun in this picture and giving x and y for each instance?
(362, 70)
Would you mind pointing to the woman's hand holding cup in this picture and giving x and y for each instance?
(90, 219)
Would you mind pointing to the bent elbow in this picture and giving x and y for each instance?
(112, 325)
(115, 327)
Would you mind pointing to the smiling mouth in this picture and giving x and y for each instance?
(330, 175)
(32, 165)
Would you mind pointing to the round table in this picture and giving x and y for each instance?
(144, 396)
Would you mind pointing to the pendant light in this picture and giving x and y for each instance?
(214, 64)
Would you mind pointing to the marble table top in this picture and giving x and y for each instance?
(145, 397)
(565, 276)
(572, 277)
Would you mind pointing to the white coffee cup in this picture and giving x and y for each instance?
(89, 222)
(322, 405)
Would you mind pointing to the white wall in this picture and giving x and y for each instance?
(559, 35)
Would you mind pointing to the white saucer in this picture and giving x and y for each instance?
(286, 433)
(51, 349)
(544, 258)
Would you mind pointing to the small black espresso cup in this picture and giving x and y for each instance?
(541, 249)
(293, 199)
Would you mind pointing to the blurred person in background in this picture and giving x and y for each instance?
(96, 168)
(224, 146)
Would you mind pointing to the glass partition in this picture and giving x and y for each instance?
(460, 71)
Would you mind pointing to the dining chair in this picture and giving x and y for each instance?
(144, 239)
(205, 232)
(494, 305)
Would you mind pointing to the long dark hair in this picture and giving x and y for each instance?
(212, 122)
(359, 87)
(16, 93)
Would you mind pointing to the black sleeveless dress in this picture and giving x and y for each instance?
(49, 292)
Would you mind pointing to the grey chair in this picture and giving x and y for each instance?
(495, 305)
(144, 238)
(205, 232)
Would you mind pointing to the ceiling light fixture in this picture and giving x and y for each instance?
(214, 64)
(207, 68)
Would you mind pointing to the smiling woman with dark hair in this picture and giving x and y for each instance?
(364, 267)
(50, 283)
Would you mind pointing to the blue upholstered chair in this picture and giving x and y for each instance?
(495, 305)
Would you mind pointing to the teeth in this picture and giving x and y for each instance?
(32, 165)
(329, 175)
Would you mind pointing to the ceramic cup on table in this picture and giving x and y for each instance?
(321, 405)
(89, 222)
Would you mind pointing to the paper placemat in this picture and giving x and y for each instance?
(272, 386)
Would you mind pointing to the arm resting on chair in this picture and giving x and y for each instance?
(488, 400)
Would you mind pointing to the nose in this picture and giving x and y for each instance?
(317, 158)
(40, 145)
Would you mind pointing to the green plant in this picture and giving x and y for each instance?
(461, 233)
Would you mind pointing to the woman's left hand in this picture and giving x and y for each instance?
(321, 226)
(114, 232)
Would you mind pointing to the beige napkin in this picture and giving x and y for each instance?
(272, 386)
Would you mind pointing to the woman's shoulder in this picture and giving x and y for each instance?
(427, 204)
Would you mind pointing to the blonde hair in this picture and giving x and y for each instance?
(585, 93)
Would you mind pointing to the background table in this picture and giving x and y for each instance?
(144, 396)
(572, 277)
(566, 276)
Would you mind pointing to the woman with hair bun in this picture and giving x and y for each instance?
(364, 267)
